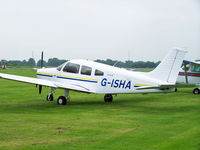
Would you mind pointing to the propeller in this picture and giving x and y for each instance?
(186, 76)
(41, 65)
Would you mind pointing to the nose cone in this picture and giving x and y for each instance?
(41, 71)
(46, 72)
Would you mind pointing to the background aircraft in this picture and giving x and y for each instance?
(92, 77)
(189, 75)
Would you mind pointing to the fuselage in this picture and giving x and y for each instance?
(95, 77)
(193, 78)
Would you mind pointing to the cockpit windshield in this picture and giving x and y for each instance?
(60, 67)
(187, 67)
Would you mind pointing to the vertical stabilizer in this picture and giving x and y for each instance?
(169, 68)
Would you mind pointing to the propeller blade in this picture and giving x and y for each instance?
(41, 65)
(40, 89)
(186, 76)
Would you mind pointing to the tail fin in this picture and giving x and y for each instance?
(169, 68)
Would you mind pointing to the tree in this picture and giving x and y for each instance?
(31, 62)
(55, 62)
(39, 63)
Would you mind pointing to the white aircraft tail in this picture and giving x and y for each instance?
(169, 68)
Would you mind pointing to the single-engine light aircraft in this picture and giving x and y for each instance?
(92, 77)
(189, 75)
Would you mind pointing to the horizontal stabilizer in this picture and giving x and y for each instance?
(165, 86)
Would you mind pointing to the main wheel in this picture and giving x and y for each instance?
(61, 100)
(196, 91)
(50, 97)
(108, 98)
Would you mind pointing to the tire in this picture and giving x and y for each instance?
(50, 97)
(61, 100)
(108, 98)
(196, 91)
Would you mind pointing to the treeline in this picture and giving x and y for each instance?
(53, 62)
(129, 64)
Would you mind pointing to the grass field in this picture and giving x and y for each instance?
(135, 122)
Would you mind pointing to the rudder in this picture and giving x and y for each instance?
(169, 68)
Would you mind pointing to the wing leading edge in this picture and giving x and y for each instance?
(28, 80)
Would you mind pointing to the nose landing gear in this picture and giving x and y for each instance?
(50, 97)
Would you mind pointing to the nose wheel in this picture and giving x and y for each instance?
(50, 97)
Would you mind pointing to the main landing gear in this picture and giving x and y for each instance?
(62, 100)
(196, 91)
(108, 98)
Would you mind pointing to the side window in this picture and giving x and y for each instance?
(98, 73)
(195, 68)
(85, 70)
(72, 68)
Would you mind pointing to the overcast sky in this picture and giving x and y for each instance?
(98, 29)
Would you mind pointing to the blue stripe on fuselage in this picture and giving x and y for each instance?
(76, 79)
(136, 86)
(44, 75)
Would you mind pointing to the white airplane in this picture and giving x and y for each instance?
(92, 77)
(189, 76)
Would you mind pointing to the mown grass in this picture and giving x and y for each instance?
(136, 122)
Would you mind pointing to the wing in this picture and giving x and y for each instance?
(43, 82)
(28, 80)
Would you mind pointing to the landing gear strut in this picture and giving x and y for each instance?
(108, 98)
(196, 91)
